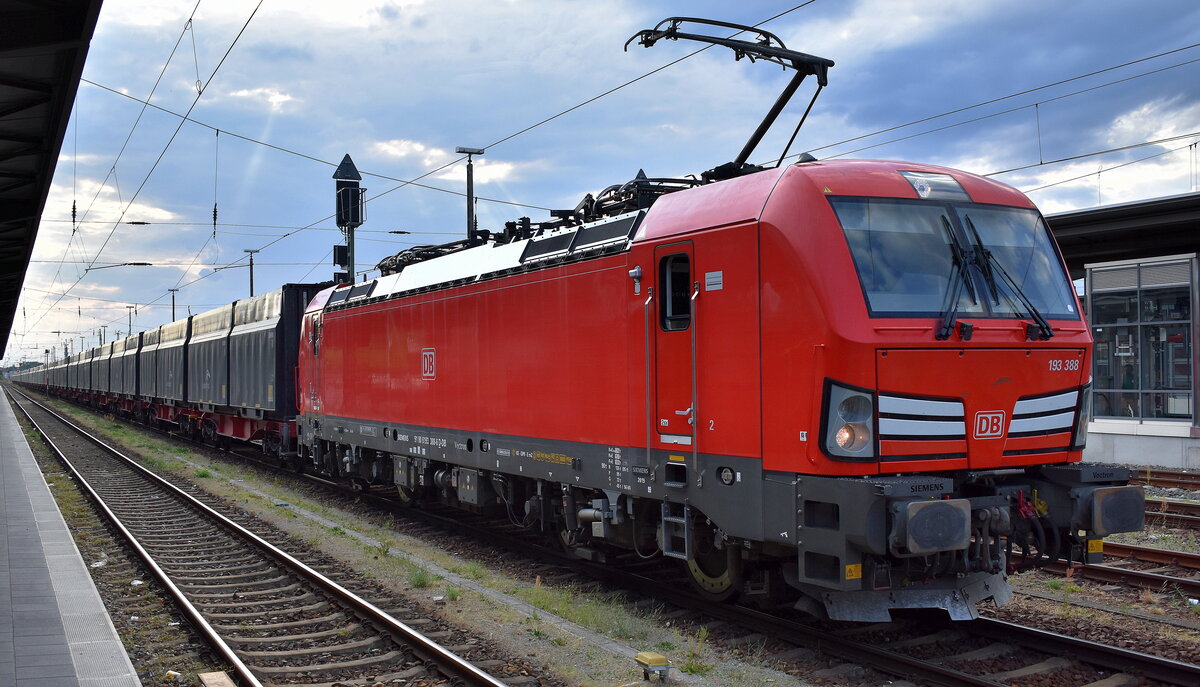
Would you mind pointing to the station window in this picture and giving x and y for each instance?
(1142, 323)
(675, 287)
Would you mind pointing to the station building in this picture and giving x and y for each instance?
(1139, 265)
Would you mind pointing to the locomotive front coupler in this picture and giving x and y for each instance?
(1077, 505)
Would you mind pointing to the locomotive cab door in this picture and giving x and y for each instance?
(675, 344)
(313, 391)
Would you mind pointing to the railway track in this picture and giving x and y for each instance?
(1170, 571)
(274, 619)
(931, 651)
(1172, 513)
(1169, 478)
(928, 650)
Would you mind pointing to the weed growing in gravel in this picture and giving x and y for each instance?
(418, 578)
(1181, 596)
(201, 473)
(336, 530)
(1072, 611)
(599, 612)
(382, 549)
(155, 463)
(666, 646)
(692, 664)
(1064, 587)
(453, 593)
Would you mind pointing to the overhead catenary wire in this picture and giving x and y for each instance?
(1106, 151)
(1010, 96)
(121, 302)
(164, 150)
(1004, 112)
(306, 156)
(128, 137)
(1108, 169)
(253, 226)
(413, 182)
(409, 182)
(566, 111)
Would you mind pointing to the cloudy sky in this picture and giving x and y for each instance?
(399, 84)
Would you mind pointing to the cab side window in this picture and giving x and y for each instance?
(675, 288)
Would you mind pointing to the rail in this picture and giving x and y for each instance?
(450, 665)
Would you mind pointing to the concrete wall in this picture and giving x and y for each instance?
(1168, 445)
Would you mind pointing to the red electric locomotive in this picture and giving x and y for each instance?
(864, 383)
(858, 385)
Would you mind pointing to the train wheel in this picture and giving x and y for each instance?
(716, 573)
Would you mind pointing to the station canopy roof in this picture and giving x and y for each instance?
(42, 49)
(1143, 229)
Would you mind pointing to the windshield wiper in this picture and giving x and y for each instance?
(990, 265)
(958, 277)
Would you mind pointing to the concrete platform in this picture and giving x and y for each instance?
(54, 630)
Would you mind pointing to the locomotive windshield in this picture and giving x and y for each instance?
(908, 255)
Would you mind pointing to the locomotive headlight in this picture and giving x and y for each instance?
(852, 436)
(849, 422)
(855, 408)
(1084, 417)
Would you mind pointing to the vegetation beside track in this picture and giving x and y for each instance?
(550, 623)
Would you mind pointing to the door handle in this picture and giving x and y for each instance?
(684, 412)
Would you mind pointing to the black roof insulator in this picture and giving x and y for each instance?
(806, 157)
(729, 170)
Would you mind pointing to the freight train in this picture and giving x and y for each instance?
(857, 386)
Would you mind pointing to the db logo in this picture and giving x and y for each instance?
(428, 363)
(989, 424)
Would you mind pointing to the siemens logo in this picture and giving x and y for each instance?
(919, 488)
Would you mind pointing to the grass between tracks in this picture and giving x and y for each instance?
(371, 544)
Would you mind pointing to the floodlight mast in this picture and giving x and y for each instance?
(767, 47)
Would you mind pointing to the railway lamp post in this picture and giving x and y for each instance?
(349, 198)
(130, 309)
(172, 303)
(470, 189)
